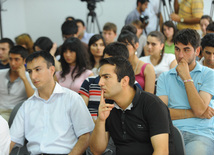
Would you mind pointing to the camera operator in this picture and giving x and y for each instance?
(150, 11)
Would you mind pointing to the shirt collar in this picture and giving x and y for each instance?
(8, 76)
(198, 68)
(57, 90)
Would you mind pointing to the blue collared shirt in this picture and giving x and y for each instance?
(171, 85)
(53, 125)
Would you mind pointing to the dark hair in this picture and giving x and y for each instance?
(207, 40)
(80, 21)
(206, 17)
(130, 28)
(210, 27)
(110, 26)
(18, 49)
(116, 49)
(123, 68)
(44, 43)
(92, 40)
(172, 25)
(7, 40)
(186, 36)
(69, 18)
(161, 38)
(74, 45)
(142, 1)
(69, 28)
(47, 56)
(128, 37)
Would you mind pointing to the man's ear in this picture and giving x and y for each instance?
(197, 51)
(52, 69)
(125, 81)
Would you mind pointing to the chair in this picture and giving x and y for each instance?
(17, 150)
(178, 141)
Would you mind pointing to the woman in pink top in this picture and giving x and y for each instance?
(144, 72)
(74, 62)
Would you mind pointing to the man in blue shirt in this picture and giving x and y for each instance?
(187, 90)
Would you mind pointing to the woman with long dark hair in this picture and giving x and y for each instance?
(74, 64)
(96, 46)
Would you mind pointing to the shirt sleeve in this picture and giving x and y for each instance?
(208, 82)
(5, 137)
(157, 115)
(17, 129)
(84, 89)
(170, 58)
(161, 86)
(80, 116)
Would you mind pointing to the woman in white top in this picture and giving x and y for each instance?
(161, 61)
(4, 137)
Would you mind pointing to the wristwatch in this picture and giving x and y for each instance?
(182, 20)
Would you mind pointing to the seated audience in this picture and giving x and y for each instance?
(161, 61)
(204, 22)
(74, 65)
(207, 44)
(169, 30)
(187, 91)
(95, 49)
(109, 32)
(15, 85)
(82, 34)
(4, 137)
(5, 45)
(55, 119)
(25, 41)
(121, 120)
(144, 72)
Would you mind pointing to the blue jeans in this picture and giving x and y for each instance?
(197, 145)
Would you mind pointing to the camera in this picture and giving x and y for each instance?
(144, 19)
(91, 4)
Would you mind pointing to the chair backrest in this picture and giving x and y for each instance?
(13, 113)
(179, 142)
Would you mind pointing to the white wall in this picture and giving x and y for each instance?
(44, 17)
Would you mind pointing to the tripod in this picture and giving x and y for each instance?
(211, 10)
(91, 6)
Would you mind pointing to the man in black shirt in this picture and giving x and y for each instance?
(138, 122)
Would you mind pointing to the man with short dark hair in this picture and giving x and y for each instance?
(5, 45)
(187, 90)
(55, 120)
(15, 85)
(210, 28)
(207, 44)
(82, 34)
(138, 122)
